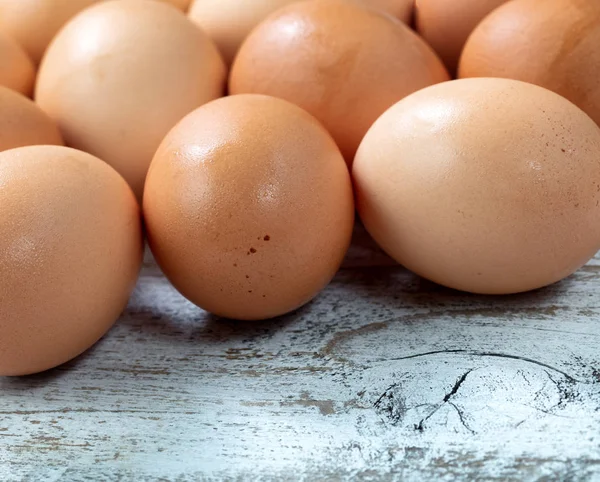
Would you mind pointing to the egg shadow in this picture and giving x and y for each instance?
(47, 377)
(165, 314)
(375, 276)
(185, 323)
(244, 330)
(397, 287)
(388, 286)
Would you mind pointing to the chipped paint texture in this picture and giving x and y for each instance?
(383, 377)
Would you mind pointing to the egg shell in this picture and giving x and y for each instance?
(70, 252)
(551, 43)
(401, 9)
(34, 23)
(182, 5)
(17, 71)
(447, 24)
(249, 207)
(228, 22)
(343, 63)
(483, 185)
(121, 75)
(22, 123)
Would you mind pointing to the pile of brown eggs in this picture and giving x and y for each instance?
(487, 184)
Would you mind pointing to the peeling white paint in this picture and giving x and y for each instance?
(383, 377)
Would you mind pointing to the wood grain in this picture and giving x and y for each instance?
(384, 376)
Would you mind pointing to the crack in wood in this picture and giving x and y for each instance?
(222, 417)
(522, 373)
(395, 409)
(566, 393)
(421, 425)
(379, 400)
(493, 355)
(461, 417)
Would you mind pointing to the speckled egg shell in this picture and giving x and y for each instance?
(249, 207)
(483, 185)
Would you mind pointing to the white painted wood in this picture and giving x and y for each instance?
(383, 377)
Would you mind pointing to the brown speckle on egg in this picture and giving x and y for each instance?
(210, 174)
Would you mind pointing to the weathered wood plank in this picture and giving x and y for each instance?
(384, 376)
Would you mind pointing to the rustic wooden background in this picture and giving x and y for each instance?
(384, 376)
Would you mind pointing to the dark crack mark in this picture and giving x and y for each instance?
(457, 385)
(461, 416)
(421, 425)
(548, 411)
(493, 355)
(520, 423)
(393, 406)
(541, 391)
(566, 394)
(522, 373)
(384, 394)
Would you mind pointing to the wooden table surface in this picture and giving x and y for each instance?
(384, 376)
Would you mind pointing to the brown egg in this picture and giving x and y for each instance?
(343, 63)
(401, 9)
(70, 252)
(228, 22)
(121, 75)
(16, 69)
(483, 185)
(446, 24)
(248, 206)
(22, 123)
(182, 5)
(551, 43)
(34, 23)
